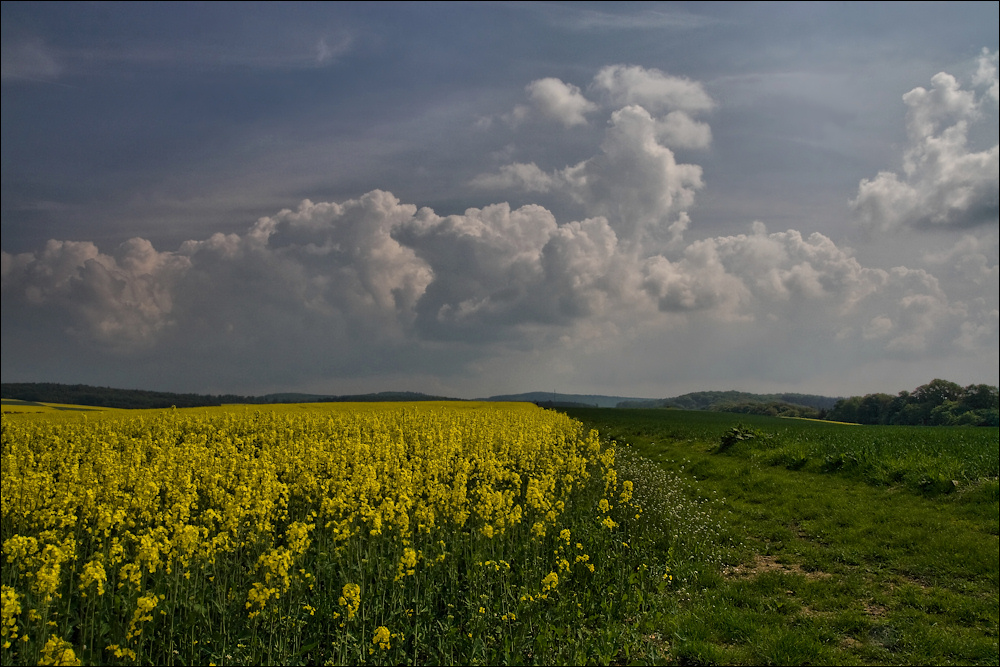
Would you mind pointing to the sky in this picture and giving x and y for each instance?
(633, 199)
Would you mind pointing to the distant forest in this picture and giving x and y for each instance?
(937, 403)
(108, 397)
(774, 405)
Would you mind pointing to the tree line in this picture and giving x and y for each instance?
(937, 403)
(108, 397)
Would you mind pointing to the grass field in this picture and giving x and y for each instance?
(862, 561)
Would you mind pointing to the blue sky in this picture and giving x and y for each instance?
(471, 199)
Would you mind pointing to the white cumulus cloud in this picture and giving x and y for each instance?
(652, 89)
(945, 184)
(560, 101)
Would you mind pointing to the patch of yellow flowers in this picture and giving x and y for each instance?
(122, 505)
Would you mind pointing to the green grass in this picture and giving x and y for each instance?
(831, 564)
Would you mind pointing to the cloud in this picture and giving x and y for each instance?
(498, 270)
(576, 18)
(124, 300)
(29, 59)
(560, 101)
(679, 130)
(652, 89)
(373, 286)
(986, 75)
(518, 175)
(944, 184)
(635, 182)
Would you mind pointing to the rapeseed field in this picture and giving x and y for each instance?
(339, 534)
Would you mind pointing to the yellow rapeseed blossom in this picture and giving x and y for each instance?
(93, 573)
(11, 608)
(382, 637)
(350, 599)
(165, 503)
(142, 614)
(627, 491)
(58, 651)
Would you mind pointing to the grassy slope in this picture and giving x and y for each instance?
(829, 569)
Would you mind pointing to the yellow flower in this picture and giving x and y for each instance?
(93, 573)
(11, 609)
(58, 651)
(350, 599)
(382, 637)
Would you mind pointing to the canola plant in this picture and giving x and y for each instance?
(378, 533)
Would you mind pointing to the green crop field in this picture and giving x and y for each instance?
(847, 544)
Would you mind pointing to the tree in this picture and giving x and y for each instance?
(936, 392)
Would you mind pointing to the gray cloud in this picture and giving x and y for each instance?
(122, 300)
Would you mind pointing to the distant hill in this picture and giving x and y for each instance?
(386, 396)
(108, 397)
(718, 400)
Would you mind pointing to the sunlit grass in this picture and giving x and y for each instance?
(834, 565)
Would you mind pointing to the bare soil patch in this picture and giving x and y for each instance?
(762, 564)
